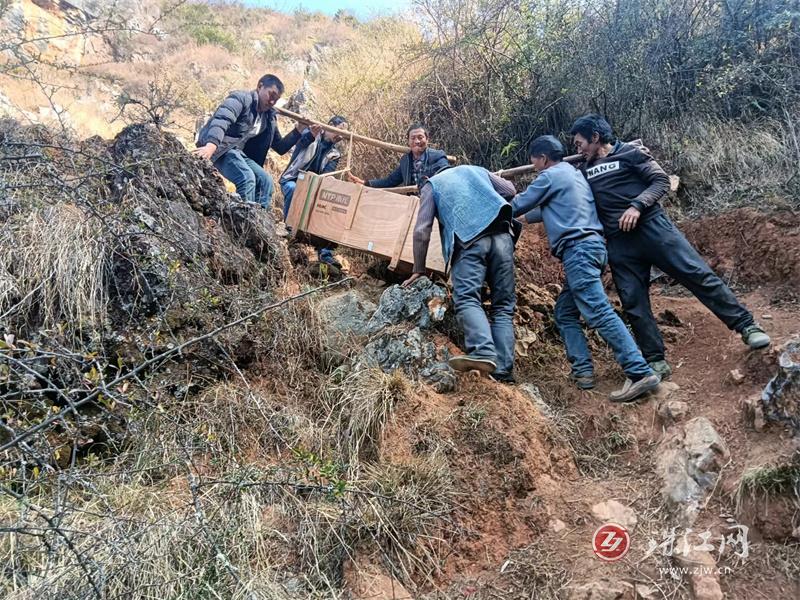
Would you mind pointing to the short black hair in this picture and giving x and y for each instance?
(337, 120)
(414, 126)
(548, 146)
(590, 124)
(269, 79)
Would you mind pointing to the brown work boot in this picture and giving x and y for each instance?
(634, 389)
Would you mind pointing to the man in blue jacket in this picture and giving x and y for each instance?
(315, 152)
(478, 245)
(239, 134)
(415, 167)
(561, 198)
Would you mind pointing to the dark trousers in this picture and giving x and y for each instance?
(658, 242)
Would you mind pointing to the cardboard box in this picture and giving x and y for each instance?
(363, 218)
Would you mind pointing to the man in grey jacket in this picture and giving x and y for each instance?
(561, 198)
(239, 134)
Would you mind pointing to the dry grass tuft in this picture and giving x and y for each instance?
(759, 483)
(52, 267)
(360, 404)
(725, 164)
(406, 515)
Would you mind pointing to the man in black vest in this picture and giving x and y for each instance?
(628, 185)
(239, 134)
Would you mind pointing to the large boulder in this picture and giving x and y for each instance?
(346, 313)
(689, 461)
(423, 303)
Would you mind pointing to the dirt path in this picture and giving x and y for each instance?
(527, 472)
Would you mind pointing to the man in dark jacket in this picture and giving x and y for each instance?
(315, 152)
(478, 239)
(240, 133)
(628, 186)
(416, 167)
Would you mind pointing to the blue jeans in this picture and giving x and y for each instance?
(583, 295)
(251, 180)
(287, 188)
(490, 259)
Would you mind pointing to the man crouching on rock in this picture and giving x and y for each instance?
(478, 239)
(561, 198)
(240, 133)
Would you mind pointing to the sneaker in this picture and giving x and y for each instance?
(755, 337)
(466, 362)
(326, 256)
(507, 378)
(634, 389)
(582, 382)
(661, 368)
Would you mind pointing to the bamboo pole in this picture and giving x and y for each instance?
(347, 134)
(529, 168)
(501, 173)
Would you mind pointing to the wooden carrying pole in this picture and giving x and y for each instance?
(407, 189)
(347, 134)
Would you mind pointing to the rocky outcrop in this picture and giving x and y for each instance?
(398, 329)
(689, 461)
(422, 303)
(780, 400)
(346, 313)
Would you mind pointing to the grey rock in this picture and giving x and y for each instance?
(440, 376)
(346, 313)
(689, 461)
(400, 350)
(146, 219)
(412, 353)
(535, 395)
(673, 410)
(667, 390)
(422, 303)
(251, 225)
(781, 398)
(601, 589)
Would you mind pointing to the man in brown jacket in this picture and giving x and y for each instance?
(628, 185)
